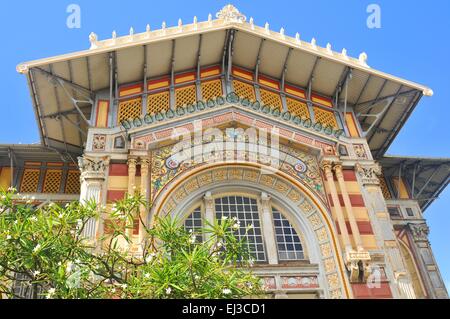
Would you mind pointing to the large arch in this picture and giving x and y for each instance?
(308, 212)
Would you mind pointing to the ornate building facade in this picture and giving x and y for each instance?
(227, 118)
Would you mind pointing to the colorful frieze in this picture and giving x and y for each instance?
(166, 165)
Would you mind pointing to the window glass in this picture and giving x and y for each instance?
(288, 242)
(246, 211)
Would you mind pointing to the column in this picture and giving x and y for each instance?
(268, 229)
(428, 269)
(348, 207)
(209, 211)
(131, 186)
(132, 175)
(337, 206)
(92, 178)
(367, 175)
(145, 162)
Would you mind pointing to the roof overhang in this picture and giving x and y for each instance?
(382, 102)
(427, 177)
(14, 154)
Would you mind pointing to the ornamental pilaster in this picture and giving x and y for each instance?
(92, 178)
(348, 206)
(327, 167)
(132, 161)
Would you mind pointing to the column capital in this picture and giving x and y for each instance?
(209, 201)
(265, 198)
(93, 167)
(132, 161)
(337, 166)
(327, 165)
(419, 231)
(369, 173)
(145, 162)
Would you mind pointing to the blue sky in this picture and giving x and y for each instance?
(413, 43)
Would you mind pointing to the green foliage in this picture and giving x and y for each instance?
(43, 248)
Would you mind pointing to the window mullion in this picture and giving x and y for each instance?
(268, 229)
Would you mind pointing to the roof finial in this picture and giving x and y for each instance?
(282, 32)
(313, 43)
(344, 53)
(363, 58)
(329, 50)
(180, 23)
(229, 13)
(266, 27)
(93, 38)
(131, 31)
(252, 24)
(163, 26)
(195, 22)
(297, 37)
(114, 34)
(210, 18)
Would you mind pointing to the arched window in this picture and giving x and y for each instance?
(194, 222)
(247, 210)
(288, 243)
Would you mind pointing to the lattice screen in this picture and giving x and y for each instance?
(52, 181)
(73, 182)
(271, 98)
(159, 102)
(129, 109)
(244, 90)
(186, 95)
(384, 188)
(30, 181)
(211, 89)
(297, 108)
(325, 117)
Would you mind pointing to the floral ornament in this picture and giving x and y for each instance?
(230, 13)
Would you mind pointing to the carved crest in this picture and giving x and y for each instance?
(231, 14)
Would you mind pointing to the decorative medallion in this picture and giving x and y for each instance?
(99, 142)
(360, 151)
(301, 167)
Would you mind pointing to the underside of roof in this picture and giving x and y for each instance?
(426, 177)
(12, 154)
(63, 88)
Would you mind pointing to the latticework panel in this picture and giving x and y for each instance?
(211, 89)
(30, 181)
(186, 95)
(52, 181)
(73, 182)
(298, 108)
(327, 118)
(244, 90)
(129, 109)
(271, 98)
(159, 102)
(384, 188)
